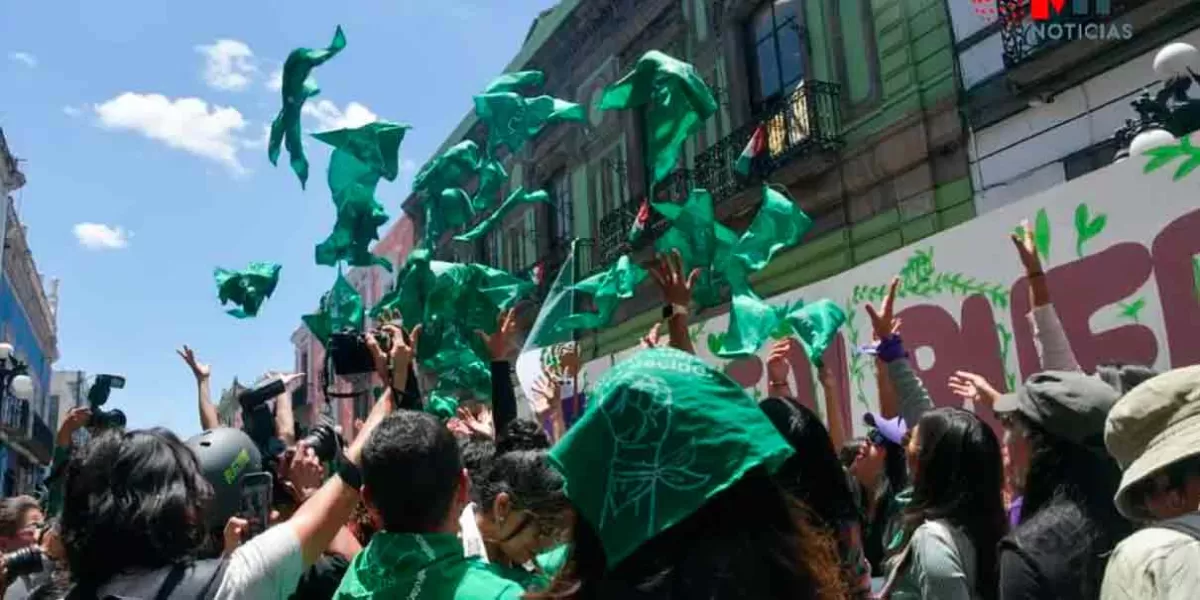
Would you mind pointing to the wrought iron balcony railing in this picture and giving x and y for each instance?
(806, 121)
(1025, 38)
(14, 414)
(615, 226)
(43, 439)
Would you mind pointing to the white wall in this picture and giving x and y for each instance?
(1078, 118)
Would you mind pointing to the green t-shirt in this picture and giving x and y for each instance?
(422, 566)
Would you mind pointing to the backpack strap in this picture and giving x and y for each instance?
(198, 580)
(1188, 524)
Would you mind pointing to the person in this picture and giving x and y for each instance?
(1154, 434)
(669, 474)
(134, 513)
(956, 515)
(522, 514)
(815, 477)
(22, 529)
(413, 478)
(1068, 522)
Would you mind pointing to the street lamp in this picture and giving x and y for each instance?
(12, 374)
(1169, 114)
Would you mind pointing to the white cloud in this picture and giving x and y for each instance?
(24, 58)
(97, 236)
(229, 65)
(328, 116)
(408, 165)
(275, 80)
(260, 142)
(72, 111)
(185, 124)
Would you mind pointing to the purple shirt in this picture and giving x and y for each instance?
(1014, 511)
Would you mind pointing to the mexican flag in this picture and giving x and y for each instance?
(547, 334)
(640, 221)
(538, 274)
(754, 148)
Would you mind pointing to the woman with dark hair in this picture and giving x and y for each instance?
(956, 516)
(522, 512)
(1069, 523)
(669, 474)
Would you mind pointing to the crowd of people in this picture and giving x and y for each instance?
(672, 483)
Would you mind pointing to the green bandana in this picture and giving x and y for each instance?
(515, 82)
(248, 289)
(440, 182)
(359, 216)
(421, 566)
(667, 432)
(702, 241)
(518, 197)
(452, 301)
(297, 89)
(676, 101)
(779, 223)
(607, 288)
(513, 119)
(492, 178)
(376, 145)
(341, 308)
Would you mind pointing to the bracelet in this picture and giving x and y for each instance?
(777, 383)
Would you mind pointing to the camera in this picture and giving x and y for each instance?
(97, 396)
(25, 561)
(256, 414)
(324, 442)
(349, 353)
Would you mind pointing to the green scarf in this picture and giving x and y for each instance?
(415, 566)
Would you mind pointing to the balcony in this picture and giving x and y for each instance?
(1080, 38)
(14, 416)
(42, 440)
(802, 124)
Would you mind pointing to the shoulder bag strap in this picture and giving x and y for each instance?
(1188, 524)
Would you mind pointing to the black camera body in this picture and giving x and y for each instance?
(25, 561)
(259, 422)
(349, 353)
(97, 396)
(324, 442)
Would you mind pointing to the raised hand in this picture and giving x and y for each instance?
(667, 271)
(884, 322)
(778, 366)
(1027, 250)
(547, 398)
(652, 337)
(478, 422)
(500, 344)
(200, 370)
(304, 473)
(973, 387)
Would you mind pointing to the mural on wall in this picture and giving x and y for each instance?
(1121, 250)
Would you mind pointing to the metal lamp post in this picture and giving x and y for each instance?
(13, 377)
(1169, 114)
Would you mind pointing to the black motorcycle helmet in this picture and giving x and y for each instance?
(226, 456)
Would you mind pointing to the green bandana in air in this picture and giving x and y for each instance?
(676, 101)
(440, 183)
(297, 89)
(359, 216)
(702, 242)
(376, 145)
(513, 119)
(421, 566)
(518, 197)
(492, 178)
(341, 309)
(452, 301)
(607, 289)
(248, 289)
(515, 82)
(665, 432)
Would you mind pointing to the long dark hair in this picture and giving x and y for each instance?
(132, 500)
(813, 475)
(749, 541)
(1068, 511)
(960, 477)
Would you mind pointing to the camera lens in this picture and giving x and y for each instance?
(25, 561)
(323, 441)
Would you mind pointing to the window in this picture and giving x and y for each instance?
(1090, 159)
(777, 49)
(563, 211)
(303, 366)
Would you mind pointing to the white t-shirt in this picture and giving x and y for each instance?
(472, 539)
(266, 567)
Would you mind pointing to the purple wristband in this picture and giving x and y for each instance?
(891, 349)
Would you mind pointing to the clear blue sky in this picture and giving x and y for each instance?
(134, 194)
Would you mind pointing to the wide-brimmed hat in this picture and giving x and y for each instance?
(1153, 426)
(1067, 404)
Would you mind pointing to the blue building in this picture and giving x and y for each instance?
(27, 322)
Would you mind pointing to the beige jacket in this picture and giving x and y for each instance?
(1153, 564)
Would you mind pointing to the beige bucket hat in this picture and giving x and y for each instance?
(1154, 425)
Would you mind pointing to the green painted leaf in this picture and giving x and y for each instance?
(1169, 151)
(1187, 167)
(1097, 225)
(1133, 309)
(1041, 234)
(1196, 275)
(714, 342)
(1158, 162)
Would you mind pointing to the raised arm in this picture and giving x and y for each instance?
(500, 347)
(829, 388)
(884, 324)
(1047, 329)
(201, 371)
(667, 271)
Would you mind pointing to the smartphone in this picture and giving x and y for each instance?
(256, 501)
